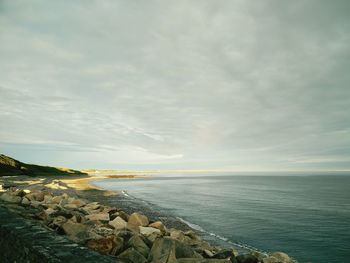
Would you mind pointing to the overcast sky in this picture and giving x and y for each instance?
(233, 85)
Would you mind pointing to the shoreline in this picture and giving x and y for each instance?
(83, 187)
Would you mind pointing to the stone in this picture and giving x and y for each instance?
(103, 231)
(70, 206)
(184, 251)
(48, 199)
(148, 231)
(10, 198)
(137, 242)
(118, 223)
(282, 257)
(77, 202)
(74, 230)
(163, 251)
(102, 245)
(137, 219)
(25, 201)
(132, 255)
(92, 206)
(247, 258)
(204, 260)
(123, 215)
(207, 253)
(177, 235)
(57, 199)
(271, 260)
(19, 193)
(35, 204)
(58, 222)
(224, 253)
(98, 217)
(159, 225)
(35, 196)
(118, 245)
(49, 211)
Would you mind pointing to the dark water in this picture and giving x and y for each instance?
(307, 217)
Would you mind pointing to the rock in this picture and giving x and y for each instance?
(118, 245)
(247, 258)
(125, 234)
(184, 251)
(123, 215)
(204, 260)
(102, 245)
(19, 193)
(58, 222)
(177, 235)
(103, 231)
(35, 204)
(75, 231)
(137, 219)
(10, 198)
(35, 196)
(49, 211)
(91, 208)
(282, 257)
(132, 255)
(98, 217)
(271, 260)
(147, 231)
(118, 223)
(48, 199)
(25, 201)
(159, 225)
(225, 253)
(57, 199)
(77, 202)
(137, 242)
(207, 253)
(70, 206)
(163, 251)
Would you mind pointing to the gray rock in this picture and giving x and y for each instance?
(247, 258)
(10, 198)
(118, 223)
(137, 242)
(137, 220)
(163, 251)
(282, 257)
(133, 256)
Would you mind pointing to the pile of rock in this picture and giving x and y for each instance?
(130, 238)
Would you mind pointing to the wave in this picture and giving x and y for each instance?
(222, 238)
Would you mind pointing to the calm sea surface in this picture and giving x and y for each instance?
(306, 216)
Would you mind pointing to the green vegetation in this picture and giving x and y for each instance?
(10, 166)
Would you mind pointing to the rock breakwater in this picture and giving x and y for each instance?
(121, 236)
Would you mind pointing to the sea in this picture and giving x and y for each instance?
(308, 217)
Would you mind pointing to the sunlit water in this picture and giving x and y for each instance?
(306, 216)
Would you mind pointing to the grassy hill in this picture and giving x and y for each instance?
(10, 166)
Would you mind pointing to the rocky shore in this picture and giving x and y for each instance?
(124, 236)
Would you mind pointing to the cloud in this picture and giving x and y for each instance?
(196, 84)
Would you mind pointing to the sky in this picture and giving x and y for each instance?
(237, 85)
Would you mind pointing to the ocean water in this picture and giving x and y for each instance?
(307, 217)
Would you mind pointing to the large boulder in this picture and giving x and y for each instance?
(98, 217)
(102, 245)
(118, 223)
(224, 253)
(137, 242)
(74, 231)
(203, 260)
(148, 231)
(159, 225)
(10, 198)
(247, 258)
(36, 196)
(281, 257)
(136, 220)
(163, 251)
(133, 256)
